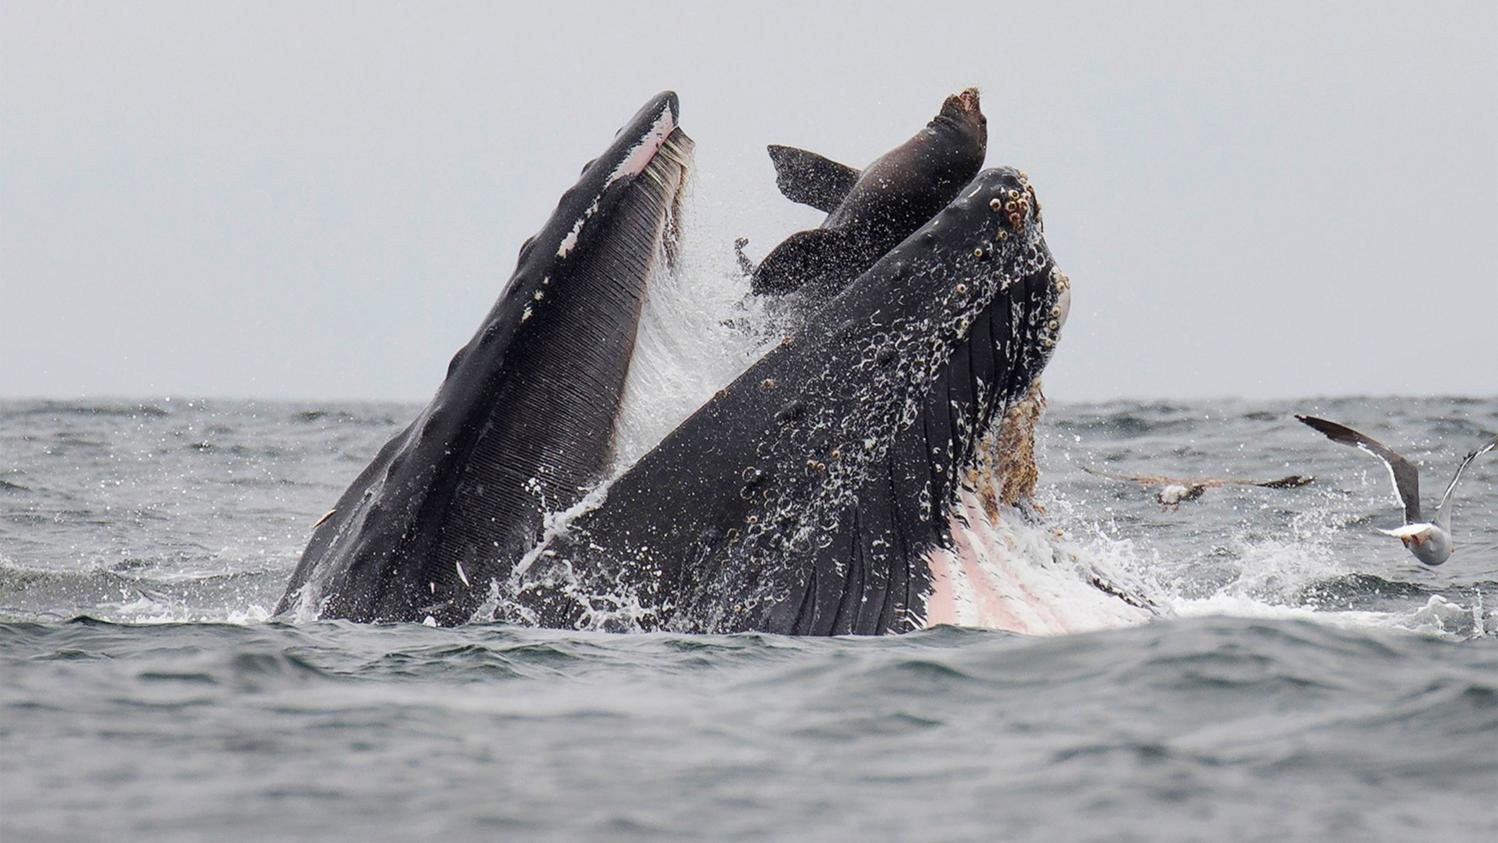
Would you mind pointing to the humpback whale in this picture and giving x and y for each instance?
(847, 482)
(870, 212)
(523, 423)
(819, 492)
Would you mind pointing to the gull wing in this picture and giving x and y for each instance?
(1290, 482)
(1442, 515)
(1141, 479)
(1293, 481)
(1405, 475)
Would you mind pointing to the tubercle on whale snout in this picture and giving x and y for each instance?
(996, 222)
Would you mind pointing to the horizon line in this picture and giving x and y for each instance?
(1051, 400)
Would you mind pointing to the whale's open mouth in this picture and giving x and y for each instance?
(819, 493)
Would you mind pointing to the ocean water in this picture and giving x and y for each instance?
(1306, 679)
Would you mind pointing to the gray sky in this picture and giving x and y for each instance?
(297, 200)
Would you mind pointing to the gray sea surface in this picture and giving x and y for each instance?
(1307, 681)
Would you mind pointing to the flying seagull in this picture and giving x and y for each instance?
(1175, 490)
(1430, 541)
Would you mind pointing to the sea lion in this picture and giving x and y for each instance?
(870, 212)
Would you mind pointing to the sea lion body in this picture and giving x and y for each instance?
(872, 211)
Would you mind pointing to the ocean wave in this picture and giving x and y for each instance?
(126, 409)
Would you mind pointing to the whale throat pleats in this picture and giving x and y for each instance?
(549, 437)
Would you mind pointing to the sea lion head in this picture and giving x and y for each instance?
(965, 102)
(962, 107)
(960, 112)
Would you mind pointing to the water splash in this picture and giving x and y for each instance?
(698, 331)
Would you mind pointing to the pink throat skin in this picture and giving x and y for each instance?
(640, 157)
(1013, 578)
(633, 164)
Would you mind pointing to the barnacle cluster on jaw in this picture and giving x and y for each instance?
(1015, 204)
(1055, 317)
(1029, 190)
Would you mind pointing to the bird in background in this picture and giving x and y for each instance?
(1176, 490)
(1429, 541)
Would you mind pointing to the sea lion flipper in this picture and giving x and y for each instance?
(804, 256)
(809, 179)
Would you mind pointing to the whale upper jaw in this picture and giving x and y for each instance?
(523, 422)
